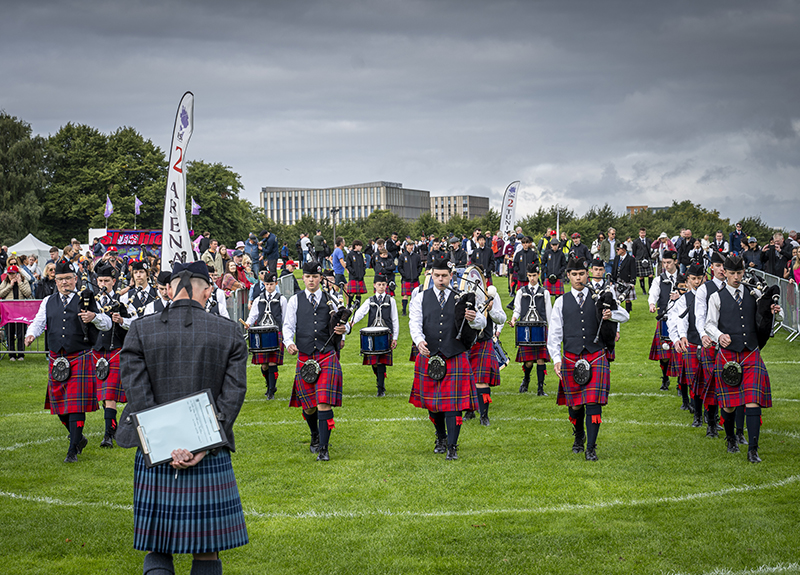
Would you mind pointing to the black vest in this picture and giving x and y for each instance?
(212, 304)
(140, 300)
(64, 327)
(113, 338)
(313, 327)
(711, 287)
(386, 311)
(439, 325)
(538, 302)
(691, 333)
(580, 325)
(666, 290)
(275, 309)
(158, 305)
(738, 322)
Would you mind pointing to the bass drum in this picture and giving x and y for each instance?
(468, 279)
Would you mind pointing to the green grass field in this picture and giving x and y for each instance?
(662, 498)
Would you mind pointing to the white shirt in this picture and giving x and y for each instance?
(497, 314)
(712, 316)
(150, 308)
(290, 316)
(548, 306)
(678, 326)
(101, 321)
(555, 333)
(701, 305)
(222, 303)
(655, 289)
(415, 315)
(363, 311)
(251, 319)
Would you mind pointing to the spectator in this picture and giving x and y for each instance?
(686, 245)
(498, 248)
(241, 272)
(774, 257)
(212, 257)
(608, 250)
(699, 255)
(737, 239)
(270, 250)
(339, 263)
(393, 246)
(793, 239)
(795, 270)
(53, 256)
(658, 247)
(284, 253)
(483, 256)
(720, 245)
(4, 258)
(305, 247)
(249, 274)
(15, 287)
(230, 281)
(205, 242)
(595, 249)
(22, 263)
(564, 243)
(319, 246)
(98, 249)
(33, 265)
(751, 254)
(579, 249)
(47, 286)
(788, 273)
(253, 251)
(225, 255)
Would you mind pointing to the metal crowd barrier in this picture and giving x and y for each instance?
(237, 307)
(790, 303)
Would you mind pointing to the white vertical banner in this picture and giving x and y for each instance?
(175, 244)
(509, 207)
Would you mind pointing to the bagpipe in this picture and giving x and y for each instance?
(605, 298)
(678, 287)
(766, 297)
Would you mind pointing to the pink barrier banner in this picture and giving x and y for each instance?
(18, 311)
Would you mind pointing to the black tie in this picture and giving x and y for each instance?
(313, 300)
(441, 299)
(738, 297)
(64, 299)
(580, 298)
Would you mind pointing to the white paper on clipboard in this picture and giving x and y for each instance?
(188, 423)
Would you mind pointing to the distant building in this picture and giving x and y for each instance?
(356, 201)
(633, 210)
(445, 207)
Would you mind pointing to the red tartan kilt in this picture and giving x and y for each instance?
(111, 388)
(276, 357)
(456, 392)
(407, 287)
(704, 384)
(77, 394)
(528, 353)
(596, 391)
(356, 287)
(657, 354)
(611, 354)
(690, 367)
(377, 359)
(483, 362)
(414, 352)
(327, 389)
(556, 288)
(755, 386)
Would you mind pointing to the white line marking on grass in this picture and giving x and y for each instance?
(16, 446)
(779, 568)
(62, 503)
(25, 414)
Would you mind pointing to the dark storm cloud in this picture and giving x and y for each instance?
(585, 102)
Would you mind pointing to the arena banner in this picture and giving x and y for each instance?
(509, 207)
(175, 245)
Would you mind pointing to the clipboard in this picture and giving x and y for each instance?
(189, 423)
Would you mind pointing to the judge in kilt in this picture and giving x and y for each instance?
(410, 265)
(106, 350)
(532, 294)
(72, 321)
(482, 359)
(432, 323)
(162, 286)
(624, 274)
(687, 341)
(384, 307)
(663, 291)
(316, 343)
(553, 265)
(574, 323)
(731, 322)
(641, 252)
(192, 504)
(269, 309)
(356, 267)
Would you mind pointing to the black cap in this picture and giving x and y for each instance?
(622, 246)
(380, 278)
(163, 278)
(441, 264)
(598, 263)
(716, 258)
(270, 277)
(197, 270)
(577, 264)
(696, 269)
(734, 263)
(669, 255)
(533, 268)
(105, 271)
(328, 273)
(312, 268)
(64, 267)
(140, 265)
(263, 233)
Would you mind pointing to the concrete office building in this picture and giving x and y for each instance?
(288, 205)
(468, 207)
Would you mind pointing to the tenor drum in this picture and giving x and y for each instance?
(375, 340)
(531, 333)
(264, 338)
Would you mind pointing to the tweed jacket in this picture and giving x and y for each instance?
(163, 359)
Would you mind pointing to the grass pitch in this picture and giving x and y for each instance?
(661, 499)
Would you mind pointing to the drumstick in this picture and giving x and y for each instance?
(244, 323)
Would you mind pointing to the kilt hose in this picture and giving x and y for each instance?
(198, 512)
(643, 270)
(555, 288)
(705, 384)
(327, 389)
(657, 353)
(596, 391)
(377, 359)
(456, 392)
(530, 353)
(109, 389)
(276, 357)
(77, 394)
(414, 352)
(482, 360)
(356, 287)
(690, 368)
(755, 386)
(407, 287)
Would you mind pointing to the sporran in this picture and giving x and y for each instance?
(310, 371)
(732, 373)
(582, 373)
(61, 369)
(101, 369)
(437, 368)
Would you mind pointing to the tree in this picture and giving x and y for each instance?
(426, 224)
(216, 188)
(21, 180)
(382, 223)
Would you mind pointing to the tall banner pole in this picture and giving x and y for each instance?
(509, 207)
(175, 243)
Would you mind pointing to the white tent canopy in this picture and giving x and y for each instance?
(31, 245)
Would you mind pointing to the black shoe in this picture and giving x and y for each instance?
(752, 456)
(711, 431)
(665, 384)
(720, 427)
(73, 458)
(540, 390)
(452, 452)
(485, 420)
(469, 414)
(591, 454)
(577, 446)
(705, 416)
(441, 445)
(381, 392)
(733, 447)
(691, 407)
(82, 443)
(685, 406)
(270, 394)
(523, 388)
(740, 438)
(107, 441)
(511, 303)
(698, 420)
(314, 446)
(404, 313)
(322, 454)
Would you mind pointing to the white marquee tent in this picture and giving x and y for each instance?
(31, 245)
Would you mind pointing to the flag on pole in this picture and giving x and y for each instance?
(509, 207)
(137, 203)
(195, 208)
(109, 207)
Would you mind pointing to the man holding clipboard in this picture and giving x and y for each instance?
(168, 356)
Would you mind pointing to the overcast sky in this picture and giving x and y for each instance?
(585, 102)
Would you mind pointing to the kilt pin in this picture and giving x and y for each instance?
(483, 363)
(109, 389)
(596, 391)
(755, 387)
(76, 394)
(456, 392)
(327, 389)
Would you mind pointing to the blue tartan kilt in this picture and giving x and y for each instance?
(529, 353)
(456, 392)
(199, 512)
(327, 389)
(276, 357)
(556, 288)
(596, 391)
(356, 287)
(77, 394)
(377, 359)
(755, 386)
(111, 388)
(483, 362)
(690, 368)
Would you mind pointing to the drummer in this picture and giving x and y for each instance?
(663, 291)
(269, 299)
(383, 306)
(315, 342)
(526, 354)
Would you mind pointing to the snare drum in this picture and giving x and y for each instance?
(375, 340)
(263, 338)
(531, 333)
(663, 331)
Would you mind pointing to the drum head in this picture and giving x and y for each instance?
(61, 369)
(101, 369)
(437, 368)
(310, 371)
(470, 280)
(375, 330)
(582, 374)
(732, 373)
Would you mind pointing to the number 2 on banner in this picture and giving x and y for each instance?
(176, 167)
